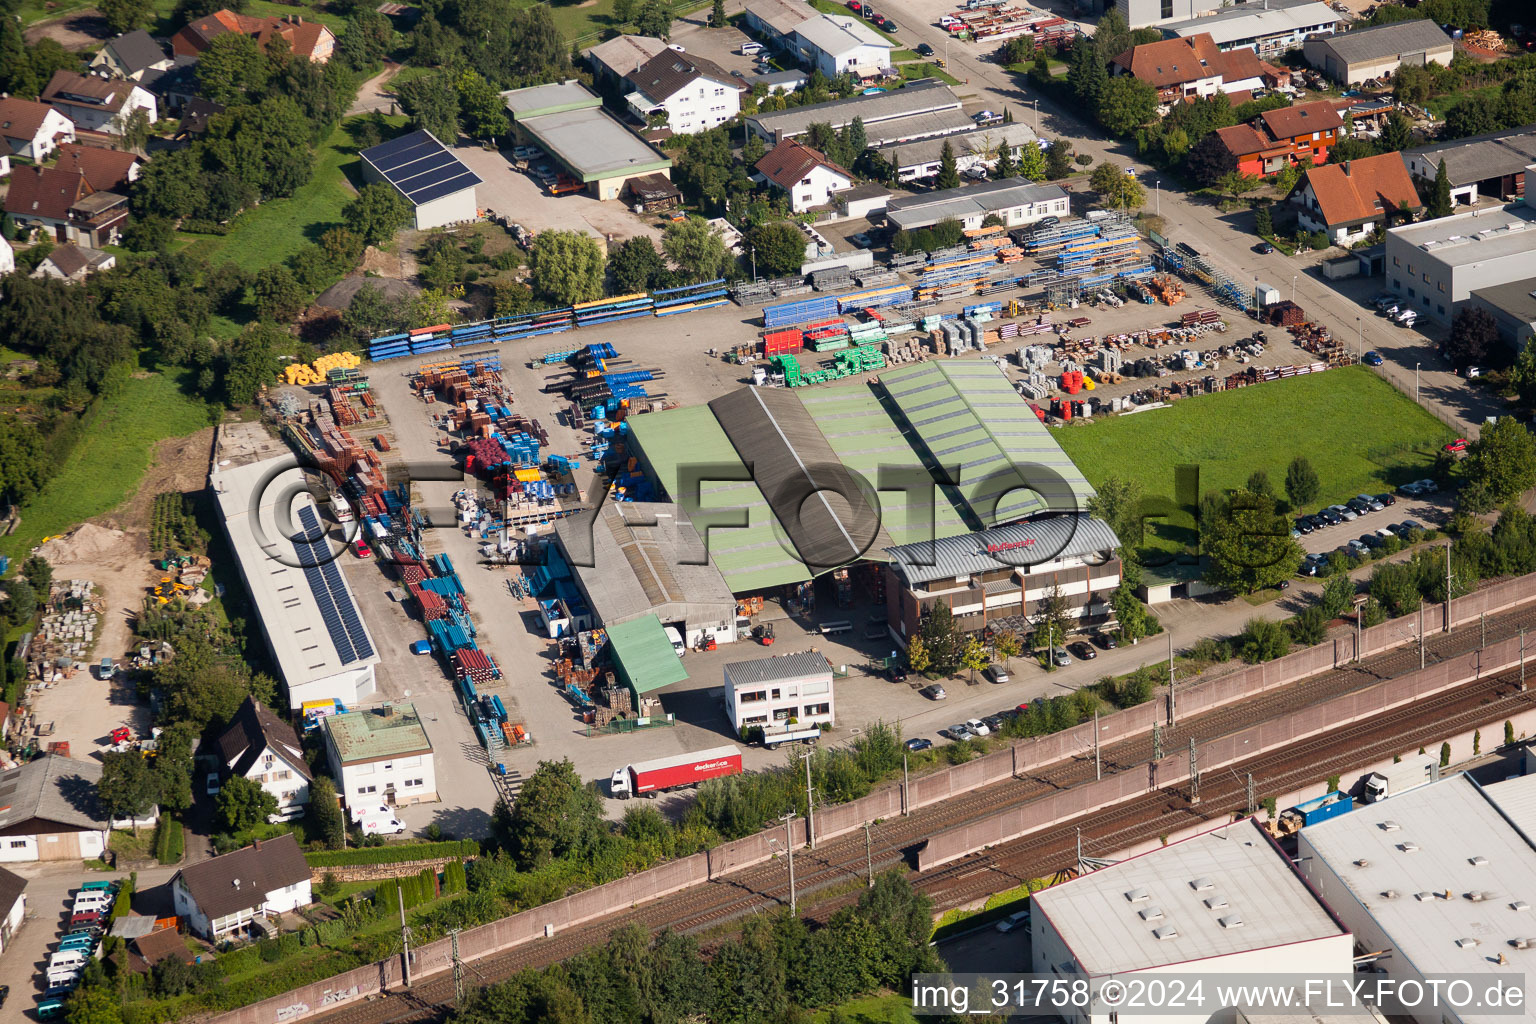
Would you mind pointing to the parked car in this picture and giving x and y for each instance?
(1410, 524)
(995, 722)
(978, 727)
(1386, 499)
(958, 732)
(1082, 651)
(887, 24)
(1428, 486)
(1370, 500)
(1472, 371)
(1344, 512)
(1304, 525)
(997, 674)
(862, 240)
(1330, 517)
(1405, 315)
(896, 674)
(86, 917)
(1060, 658)
(1359, 507)
(1371, 540)
(1384, 300)
(361, 549)
(918, 743)
(1013, 921)
(986, 116)
(1457, 446)
(1372, 358)
(1106, 641)
(855, 6)
(1386, 531)
(213, 784)
(924, 50)
(1264, 248)
(934, 692)
(1313, 564)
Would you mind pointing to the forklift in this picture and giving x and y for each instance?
(763, 632)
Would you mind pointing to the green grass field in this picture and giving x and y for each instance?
(887, 1009)
(112, 455)
(1359, 433)
(912, 72)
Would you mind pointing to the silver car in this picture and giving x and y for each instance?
(1060, 658)
(959, 732)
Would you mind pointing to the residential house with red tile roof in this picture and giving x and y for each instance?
(1351, 200)
(1190, 66)
(63, 203)
(808, 176)
(98, 104)
(305, 38)
(1286, 136)
(105, 170)
(32, 129)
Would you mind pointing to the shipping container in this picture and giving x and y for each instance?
(651, 777)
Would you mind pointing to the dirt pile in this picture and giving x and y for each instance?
(85, 543)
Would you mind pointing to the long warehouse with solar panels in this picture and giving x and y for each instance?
(312, 625)
(440, 189)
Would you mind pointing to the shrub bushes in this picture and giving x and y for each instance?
(403, 853)
(169, 840)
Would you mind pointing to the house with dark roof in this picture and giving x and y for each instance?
(1351, 200)
(130, 55)
(308, 39)
(98, 104)
(49, 811)
(144, 951)
(695, 94)
(1490, 165)
(72, 263)
(1190, 66)
(1281, 137)
(13, 905)
(31, 129)
(263, 748)
(105, 170)
(62, 202)
(808, 176)
(173, 87)
(613, 60)
(227, 897)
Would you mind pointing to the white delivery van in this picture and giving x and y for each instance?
(378, 825)
(748, 49)
(676, 639)
(66, 960)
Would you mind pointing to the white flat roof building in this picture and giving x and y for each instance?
(319, 654)
(1268, 27)
(1435, 264)
(785, 696)
(1437, 878)
(1227, 901)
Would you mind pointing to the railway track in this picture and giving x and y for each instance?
(707, 907)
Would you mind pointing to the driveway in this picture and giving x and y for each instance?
(375, 94)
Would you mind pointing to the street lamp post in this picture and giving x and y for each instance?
(1157, 195)
(1293, 286)
(1359, 339)
(1037, 117)
(1416, 382)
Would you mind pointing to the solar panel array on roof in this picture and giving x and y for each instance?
(421, 167)
(331, 595)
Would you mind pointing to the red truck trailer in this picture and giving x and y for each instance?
(651, 777)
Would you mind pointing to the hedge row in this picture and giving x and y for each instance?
(399, 854)
(169, 841)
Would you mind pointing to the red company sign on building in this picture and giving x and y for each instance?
(1011, 545)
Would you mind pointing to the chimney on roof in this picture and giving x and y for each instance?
(258, 844)
(1346, 167)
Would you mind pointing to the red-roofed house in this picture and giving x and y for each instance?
(1190, 66)
(32, 129)
(305, 38)
(95, 103)
(105, 170)
(1283, 136)
(1353, 199)
(62, 202)
(809, 178)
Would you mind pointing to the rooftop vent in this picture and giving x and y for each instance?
(1520, 905)
(1216, 902)
(1409, 846)
(1362, 863)
(1231, 921)
(1389, 894)
(1166, 932)
(1137, 895)
(1477, 897)
(1390, 826)
(1423, 897)
(1152, 914)
(1479, 861)
(1523, 943)
(1466, 942)
(1201, 884)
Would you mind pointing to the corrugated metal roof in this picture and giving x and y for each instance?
(1389, 40)
(977, 429)
(1017, 544)
(784, 666)
(644, 655)
(823, 508)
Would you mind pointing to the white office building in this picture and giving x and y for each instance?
(1436, 264)
(788, 697)
(381, 756)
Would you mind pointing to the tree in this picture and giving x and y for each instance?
(1126, 103)
(278, 294)
(1338, 595)
(376, 213)
(1523, 374)
(654, 19)
(1396, 134)
(974, 656)
(1005, 166)
(942, 639)
(20, 602)
(1131, 615)
(1209, 160)
(433, 103)
(1309, 627)
(948, 176)
(1087, 74)
(125, 15)
(1502, 461)
(1248, 544)
(1440, 194)
(93, 1004)
(556, 816)
(1301, 483)
(265, 146)
(634, 266)
(242, 804)
(778, 247)
(623, 12)
(1237, 184)
(1474, 332)
(1031, 162)
(917, 654)
(1007, 645)
(717, 15)
(128, 789)
(566, 267)
(1118, 501)
(1258, 483)
(481, 110)
(1263, 640)
(1051, 620)
(172, 766)
(1058, 162)
(232, 68)
(149, 234)
(371, 313)
(325, 813)
(1118, 190)
(252, 359)
(1264, 222)
(38, 573)
(855, 137)
(696, 250)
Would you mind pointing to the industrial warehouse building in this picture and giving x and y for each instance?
(1436, 881)
(319, 642)
(1016, 201)
(1490, 165)
(440, 189)
(1225, 902)
(567, 121)
(1435, 264)
(1267, 27)
(1352, 57)
(820, 495)
(979, 148)
(921, 110)
(1513, 306)
(49, 811)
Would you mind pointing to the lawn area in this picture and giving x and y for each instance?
(1438, 105)
(894, 1008)
(584, 23)
(1359, 433)
(113, 453)
(834, 7)
(273, 231)
(912, 72)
